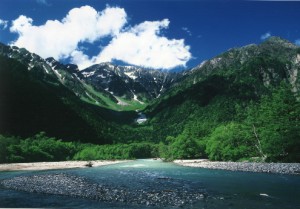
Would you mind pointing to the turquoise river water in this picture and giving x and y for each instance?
(223, 189)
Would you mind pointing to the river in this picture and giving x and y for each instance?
(189, 187)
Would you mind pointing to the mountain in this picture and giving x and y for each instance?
(44, 95)
(239, 90)
(106, 85)
(30, 105)
(252, 91)
(245, 73)
(127, 83)
(48, 70)
(277, 58)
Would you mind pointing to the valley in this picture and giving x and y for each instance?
(240, 105)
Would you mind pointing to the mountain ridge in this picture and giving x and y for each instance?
(129, 87)
(223, 93)
(273, 47)
(126, 87)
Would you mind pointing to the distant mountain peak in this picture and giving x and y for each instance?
(275, 40)
(130, 82)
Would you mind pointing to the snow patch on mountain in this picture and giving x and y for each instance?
(101, 76)
(136, 98)
(46, 70)
(130, 75)
(88, 74)
(141, 119)
(57, 73)
(121, 103)
(30, 66)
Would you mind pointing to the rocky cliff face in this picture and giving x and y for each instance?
(128, 81)
(294, 74)
(271, 62)
(99, 84)
(274, 60)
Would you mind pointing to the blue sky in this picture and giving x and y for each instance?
(161, 34)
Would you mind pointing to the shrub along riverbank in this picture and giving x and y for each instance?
(268, 131)
(42, 148)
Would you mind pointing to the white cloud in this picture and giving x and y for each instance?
(60, 38)
(3, 24)
(81, 59)
(297, 42)
(141, 45)
(187, 31)
(265, 36)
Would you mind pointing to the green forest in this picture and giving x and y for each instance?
(265, 131)
(224, 112)
(43, 148)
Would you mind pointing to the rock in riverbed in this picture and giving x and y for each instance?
(71, 185)
(281, 168)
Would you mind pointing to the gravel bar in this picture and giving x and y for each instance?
(56, 165)
(75, 186)
(279, 168)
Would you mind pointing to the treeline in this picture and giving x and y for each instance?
(117, 151)
(42, 148)
(226, 130)
(34, 101)
(266, 130)
(36, 148)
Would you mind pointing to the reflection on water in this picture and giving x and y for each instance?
(224, 189)
(134, 166)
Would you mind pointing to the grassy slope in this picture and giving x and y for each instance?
(129, 105)
(29, 105)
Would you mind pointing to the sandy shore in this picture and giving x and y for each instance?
(280, 168)
(55, 165)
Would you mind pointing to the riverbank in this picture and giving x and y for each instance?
(279, 168)
(56, 165)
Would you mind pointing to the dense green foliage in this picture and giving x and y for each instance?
(40, 148)
(276, 121)
(117, 151)
(242, 105)
(270, 130)
(182, 147)
(32, 101)
(29, 105)
(266, 129)
(229, 142)
(36, 148)
(234, 110)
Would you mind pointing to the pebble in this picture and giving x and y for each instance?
(279, 168)
(75, 186)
